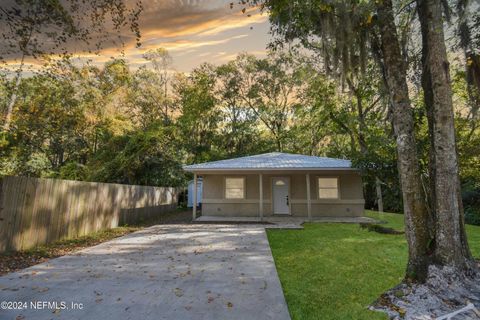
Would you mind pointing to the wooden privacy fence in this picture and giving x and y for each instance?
(40, 211)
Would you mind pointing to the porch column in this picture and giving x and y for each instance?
(194, 196)
(309, 200)
(260, 192)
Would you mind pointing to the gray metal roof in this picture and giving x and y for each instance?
(272, 161)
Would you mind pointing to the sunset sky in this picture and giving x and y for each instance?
(193, 31)
(199, 31)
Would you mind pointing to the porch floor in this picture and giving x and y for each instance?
(283, 222)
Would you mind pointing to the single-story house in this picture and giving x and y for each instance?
(279, 184)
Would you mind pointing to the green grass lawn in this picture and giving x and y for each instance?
(334, 271)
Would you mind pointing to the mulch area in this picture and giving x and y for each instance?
(380, 229)
(14, 261)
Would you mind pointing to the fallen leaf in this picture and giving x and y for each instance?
(178, 292)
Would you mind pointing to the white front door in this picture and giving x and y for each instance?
(281, 203)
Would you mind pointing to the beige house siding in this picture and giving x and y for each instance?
(350, 202)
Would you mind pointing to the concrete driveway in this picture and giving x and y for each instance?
(163, 272)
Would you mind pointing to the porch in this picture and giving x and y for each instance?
(283, 221)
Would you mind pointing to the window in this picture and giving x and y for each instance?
(234, 188)
(328, 188)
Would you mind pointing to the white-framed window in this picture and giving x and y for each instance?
(234, 188)
(328, 188)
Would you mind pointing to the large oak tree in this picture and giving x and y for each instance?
(32, 29)
(348, 33)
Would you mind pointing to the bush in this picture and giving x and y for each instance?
(471, 202)
(73, 171)
(472, 216)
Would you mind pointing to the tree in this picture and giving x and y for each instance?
(435, 228)
(312, 118)
(48, 126)
(147, 99)
(161, 62)
(146, 157)
(34, 28)
(268, 89)
(362, 114)
(338, 32)
(199, 116)
(241, 135)
(64, 115)
(450, 247)
(468, 28)
(417, 218)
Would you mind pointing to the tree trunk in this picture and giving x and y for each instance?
(451, 247)
(472, 59)
(13, 97)
(417, 219)
(378, 188)
(279, 144)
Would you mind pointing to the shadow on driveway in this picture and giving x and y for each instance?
(178, 271)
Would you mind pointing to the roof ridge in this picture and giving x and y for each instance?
(274, 160)
(303, 155)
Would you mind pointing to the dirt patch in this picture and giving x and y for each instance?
(379, 229)
(14, 261)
